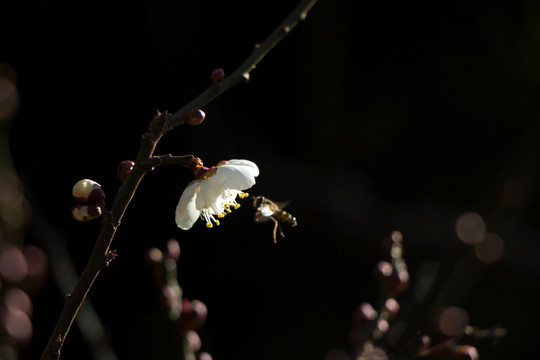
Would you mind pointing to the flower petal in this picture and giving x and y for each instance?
(209, 197)
(249, 165)
(234, 177)
(186, 212)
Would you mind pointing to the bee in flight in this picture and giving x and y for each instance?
(266, 209)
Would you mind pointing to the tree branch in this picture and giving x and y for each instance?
(242, 73)
(145, 161)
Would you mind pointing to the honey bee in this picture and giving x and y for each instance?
(266, 209)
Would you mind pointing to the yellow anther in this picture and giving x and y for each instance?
(228, 210)
(236, 206)
(217, 222)
(243, 195)
(209, 225)
(222, 215)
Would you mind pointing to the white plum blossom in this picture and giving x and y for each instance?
(213, 192)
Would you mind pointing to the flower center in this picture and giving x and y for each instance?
(226, 206)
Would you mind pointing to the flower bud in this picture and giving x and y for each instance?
(193, 315)
(391, 306)
(383, 270)
(399, 282)
(87, 190)
(194, 117)
(173, 249)
(124, 169)
(394, 238)
(466, 352)
(83, 212)
(153, 256)
(204, 356)
(218, 75)
(193, 340)
(364, 314)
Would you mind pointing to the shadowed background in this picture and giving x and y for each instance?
(369, 117)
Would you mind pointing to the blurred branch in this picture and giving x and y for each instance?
(144, 161)
(65, 275)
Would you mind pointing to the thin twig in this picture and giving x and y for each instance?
(144, 163)
(242, 73)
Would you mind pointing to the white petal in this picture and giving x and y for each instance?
(186, 212)
(233, 177)
(249, 165)
(209, 196)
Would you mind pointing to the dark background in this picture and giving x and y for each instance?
(370, 117)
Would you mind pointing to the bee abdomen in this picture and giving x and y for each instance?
(285, 217)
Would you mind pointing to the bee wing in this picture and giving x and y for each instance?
(282, 204)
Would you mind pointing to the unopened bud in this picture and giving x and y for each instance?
(154, 256)
(124, 169)
(218, 75)
(466, 352)
(391, 306)
(394, 238)
(364, 314)
(383, 270)
(194, 117)
(201, 355)
(83, 212)
(173, 249)
(193, 340)
(398, 282)
(89, 191)
(193, 315)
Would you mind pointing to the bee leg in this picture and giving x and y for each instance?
(276, 224)
(280, 230)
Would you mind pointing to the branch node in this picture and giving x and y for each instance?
(110, 256)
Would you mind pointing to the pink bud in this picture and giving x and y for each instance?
(392, 307)
(383, 270)
(193, 340)
(194, 117)
(204, 356)
(173, 249)
(364, 314)
(193, 315)
(124, 169)
(153, 256)
(218, 75)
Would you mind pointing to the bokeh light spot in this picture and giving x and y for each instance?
(490, 250)
(470, 228)
(452, 320)
(16, 299)
(13, 266)
(16, 324)
(38, 268)
(9, 98)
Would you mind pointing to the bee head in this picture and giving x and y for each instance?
(257, 201)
